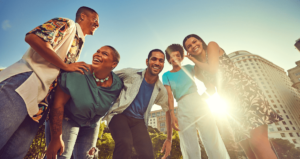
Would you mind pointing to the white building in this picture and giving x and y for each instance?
(278, 89)
(152, 122)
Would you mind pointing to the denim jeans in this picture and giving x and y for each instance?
(17, 129)
(78, 140)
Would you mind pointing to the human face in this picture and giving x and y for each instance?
(103, 59)
(155, 63)
(194, 46)
(175, 58)
(90, 23)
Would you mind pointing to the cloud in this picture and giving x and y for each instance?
(6, 25)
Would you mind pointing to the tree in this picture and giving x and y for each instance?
(284, 149)
(38, 147)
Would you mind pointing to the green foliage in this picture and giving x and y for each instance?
(38, 147)
(105, 143)
(284, 149)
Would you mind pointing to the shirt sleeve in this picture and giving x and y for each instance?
(163, 99)
(165, 79)
(53, 30)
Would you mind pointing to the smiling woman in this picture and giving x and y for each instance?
(77, 108)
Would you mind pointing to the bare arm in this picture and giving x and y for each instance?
(56, 118)
(173, 121)
(45, 50)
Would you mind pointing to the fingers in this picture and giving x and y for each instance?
(80, 70)
(163, 148)
(62, 149)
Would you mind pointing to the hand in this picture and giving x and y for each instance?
(77, 66)
(167, 146)
(192, 58)
(53, 148)
(174, 123)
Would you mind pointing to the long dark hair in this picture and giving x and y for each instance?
(197, 37)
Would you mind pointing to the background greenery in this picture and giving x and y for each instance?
(105, 143)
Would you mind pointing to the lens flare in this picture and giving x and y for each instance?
(217, 105)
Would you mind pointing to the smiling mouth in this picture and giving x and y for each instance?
(95, 59)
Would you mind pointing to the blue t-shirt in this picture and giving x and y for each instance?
(139, 105)
(181, 82)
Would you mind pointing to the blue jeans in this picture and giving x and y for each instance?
(17, 129)
(78, 140)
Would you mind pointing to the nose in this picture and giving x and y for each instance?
(97, 24)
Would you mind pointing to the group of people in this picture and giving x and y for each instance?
(49, 82)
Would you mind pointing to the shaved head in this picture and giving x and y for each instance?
(84, 10)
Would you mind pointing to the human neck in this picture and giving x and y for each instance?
(101, 74)
(176, 68)
(81, 26)
(150, 78)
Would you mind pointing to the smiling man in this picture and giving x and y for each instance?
(26, 87)
(128, 117)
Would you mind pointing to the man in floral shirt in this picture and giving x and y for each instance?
(27, 85)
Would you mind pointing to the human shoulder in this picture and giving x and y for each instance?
(127, 72)
(63, 21)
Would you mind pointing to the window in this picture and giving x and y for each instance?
(284, 111)
(282, 134)
(284, 123)
(162, 129)
(277, 111)
(298, 134)
(162, 124)
(291, 134)
(287, 116)
(271, 129)
(294, 140)
(158, 114)
(291, 123)
(153, 114)
(279, 129)
(275, 106)
(287, 128)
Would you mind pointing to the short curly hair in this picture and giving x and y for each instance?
(172, 48)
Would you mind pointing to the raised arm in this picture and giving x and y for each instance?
(56, 118)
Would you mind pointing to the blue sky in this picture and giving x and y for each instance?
(268, 28)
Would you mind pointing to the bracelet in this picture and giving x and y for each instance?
(169, 140)
(171, 110)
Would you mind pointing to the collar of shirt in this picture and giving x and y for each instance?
(80, 33)
(158, 82)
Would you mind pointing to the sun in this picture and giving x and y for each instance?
(217, 105)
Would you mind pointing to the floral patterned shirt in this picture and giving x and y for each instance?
(53, 31)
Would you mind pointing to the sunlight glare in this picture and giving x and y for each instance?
(217, 105)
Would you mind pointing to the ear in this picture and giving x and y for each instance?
(147, 62)
(114, 65)
(82, 16)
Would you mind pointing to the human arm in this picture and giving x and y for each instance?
(174, 121)
(56, 118)
(213, 59)
(44, 37)
(167, 146)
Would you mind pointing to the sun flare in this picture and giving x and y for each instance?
(217, 105)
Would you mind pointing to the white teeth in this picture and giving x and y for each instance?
(96, 60)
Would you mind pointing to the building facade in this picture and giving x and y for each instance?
(152, 122)
(277, 87)
(294, 75)
(160, 116)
